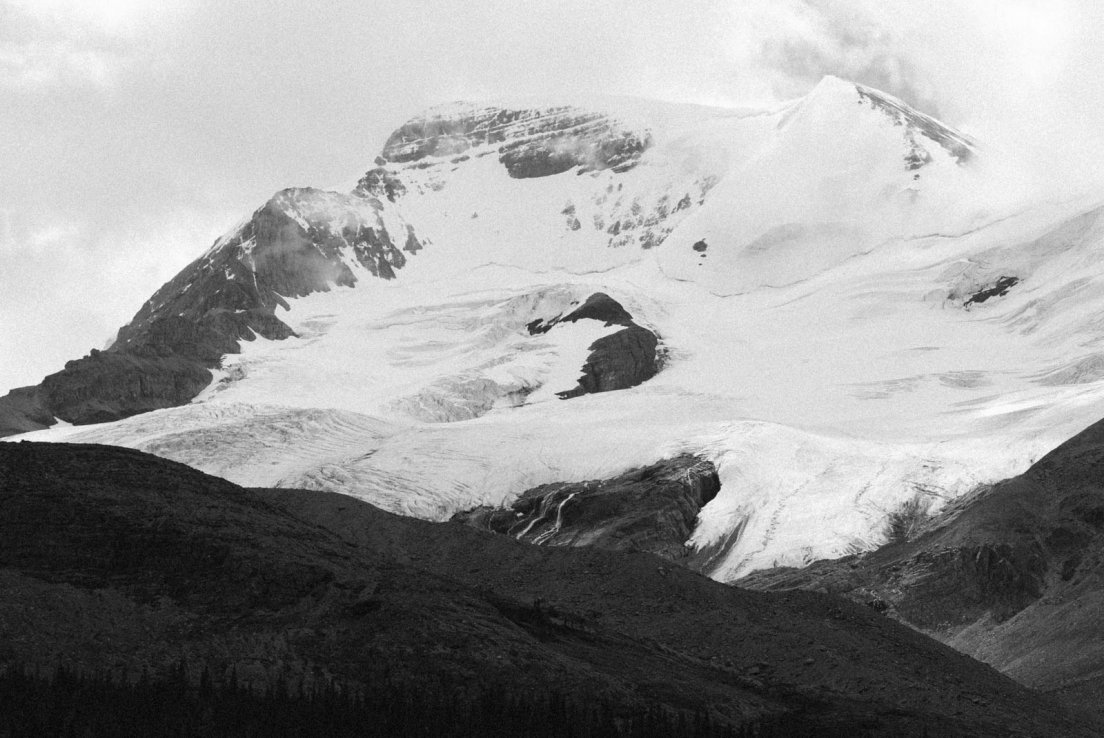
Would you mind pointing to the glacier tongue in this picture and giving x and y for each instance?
(847, 321)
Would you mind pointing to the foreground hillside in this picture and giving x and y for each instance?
(115, 561)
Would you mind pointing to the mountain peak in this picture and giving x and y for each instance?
(833, 102)
(832, 87)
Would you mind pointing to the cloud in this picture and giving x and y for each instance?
(7, 231)
(105, 17)
(1021, 76)
(53, 236)
(71, 282)
(804, 41)
(49, 43)
(39, 65)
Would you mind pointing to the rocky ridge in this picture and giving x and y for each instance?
(918, 126)
(533, 142)
(301, 241)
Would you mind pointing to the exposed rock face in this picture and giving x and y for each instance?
(653, 509)
(599, 306)
(108, 385)
(919, 126)
(531, 142)
(1013, 574)
(618, 361)
(301, 241)
(23, 410)
(292, 246)
(379, 182)
(999, 288)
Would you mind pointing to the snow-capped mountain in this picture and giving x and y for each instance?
(833, 301)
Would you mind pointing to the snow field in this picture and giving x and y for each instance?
(819, 349)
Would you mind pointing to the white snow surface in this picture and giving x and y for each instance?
(819, 350)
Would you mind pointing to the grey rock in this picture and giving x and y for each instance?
(651, 509)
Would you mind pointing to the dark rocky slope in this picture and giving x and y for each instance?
(1012, 574)
(652, 509)
(620, 360)
(112, 559)
(299, 242)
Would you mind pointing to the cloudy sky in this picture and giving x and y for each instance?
(134, 132)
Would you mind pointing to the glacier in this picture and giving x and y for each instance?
(825, 278)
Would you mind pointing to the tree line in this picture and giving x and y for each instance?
(70, 704)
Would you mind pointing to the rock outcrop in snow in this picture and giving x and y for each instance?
(533, 142)
(651, 509)
(619, 360)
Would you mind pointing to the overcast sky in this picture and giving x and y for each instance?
(134, 132)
